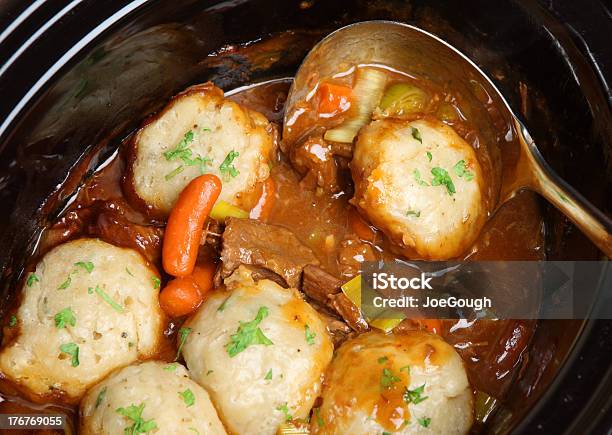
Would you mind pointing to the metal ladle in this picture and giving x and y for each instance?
(411, 50)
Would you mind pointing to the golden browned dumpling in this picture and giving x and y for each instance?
(400, 384)
(161, 395)
(200, 132)
(421, 184)
(88, 308)
(260, 352)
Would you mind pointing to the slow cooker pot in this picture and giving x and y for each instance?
(77, 76)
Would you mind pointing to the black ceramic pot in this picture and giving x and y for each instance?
(77, 76)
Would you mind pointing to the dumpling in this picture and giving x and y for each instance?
(153, 394)
(199, 132)
(260, 351)
(400, 384)
(421, 184)
(88, 308)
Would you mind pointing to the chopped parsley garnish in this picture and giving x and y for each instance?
(248, 334)
(32, 279)
(268, 375)
(182, 152)
(228, 170)
(90, 290)
(65, 317)
(87, 265)
(320, 421)
(100, 397)
(171, 367)
(193, 429)
(310, 336)
(429, 156)
(209, 372)
(462, 171)
(416, 134)
(414, 396)
(139, 425)
(425, 421)
(386, 433)
(12, 321)
(156, 282)
(73, 350)
(405, 369)
(65, 284)
(418, 179)
(415, 213)
(285, 410)
(442, 178)
(128, 272)
(188, 397)
(383, 359)
(108, 300)
(174, 173)
(183, 333)
(223, 304)
(388, 378)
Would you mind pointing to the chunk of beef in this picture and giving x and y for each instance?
(314, 160)
(325, 289)
(272, 247)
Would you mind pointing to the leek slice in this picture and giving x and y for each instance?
(352, 290)
(402, 99)
(222, 210)
(368, 90)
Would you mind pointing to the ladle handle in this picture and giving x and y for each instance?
(590, 220)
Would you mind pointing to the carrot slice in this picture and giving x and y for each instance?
(333, 99)
(180, 297)
(264, 205)
(185, 224)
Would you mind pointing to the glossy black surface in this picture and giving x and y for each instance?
(97, 68)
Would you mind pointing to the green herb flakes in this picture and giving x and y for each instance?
(223, 304)
(462, 171)
(429, 156)
(417, 177)
(405, 369)
(32, 279)
(442, 178)
(415, 396)
(106, 298)
(188, 397)
(100, 398)
(383, 359)
(170, 175)
(12, 321)
(183, 333)
(171, 367)
(65, 284)
(156, 282)
(310, 336)
(425, 421)
(415, 213)
(416, 134)
(268, 375)
(388, 379)
(285, 410)
(139, 425)
(73, 350)
(248, 334)
(228, 170)
(320, 421)
(128, 272)
(64, 318)
(87, 265)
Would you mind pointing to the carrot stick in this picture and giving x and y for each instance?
(185, 224)
(204, 276)
(180, 297)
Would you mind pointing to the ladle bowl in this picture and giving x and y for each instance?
(413, 51)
